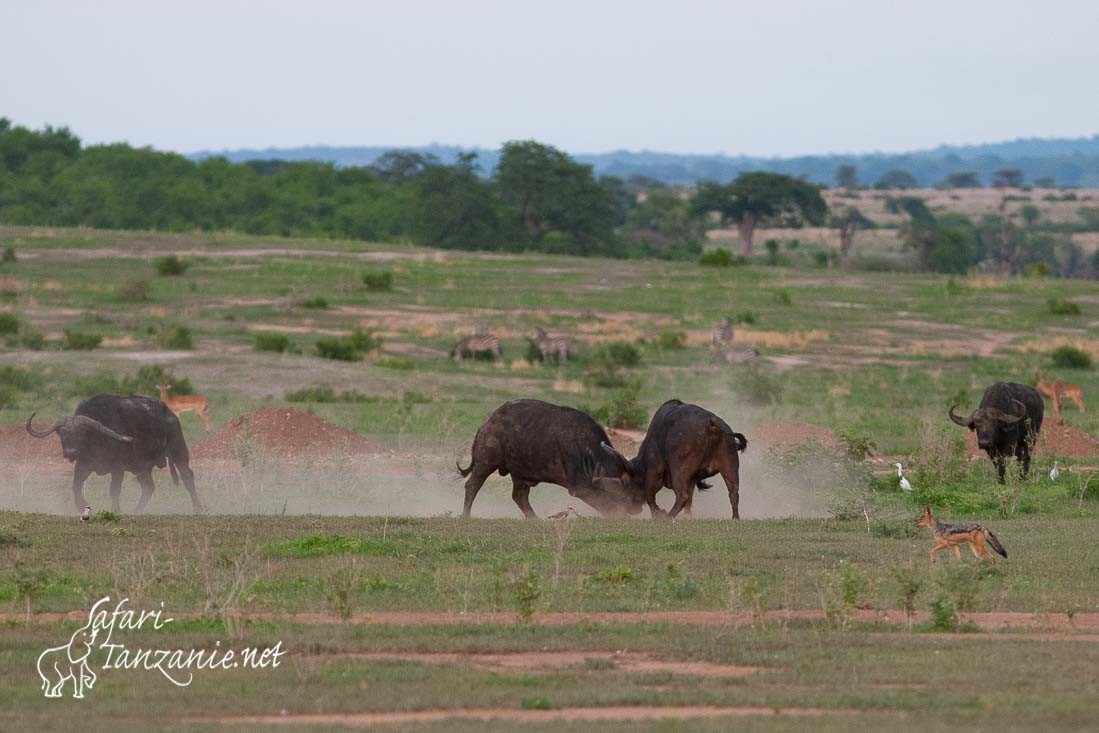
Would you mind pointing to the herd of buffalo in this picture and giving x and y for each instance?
(530, 440)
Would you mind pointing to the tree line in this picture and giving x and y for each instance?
(536, 198)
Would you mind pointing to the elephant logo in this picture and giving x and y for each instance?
(59, 665)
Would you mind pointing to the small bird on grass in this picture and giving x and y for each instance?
(86, 515)
(1054, 472)
(569, 512)
(904, 482)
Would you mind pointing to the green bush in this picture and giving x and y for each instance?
(671, 340)
(9, 255)
(145, 380)
(325, 394)
(10, 324)
(716, 258)
(339, 349)
(1062, 307)
(621, 409)
(378, 280)
(1069, 357)
(32, 339)
(317, 303)
(77, 340)
(782, 297)
(133, 291)
(745, 317)
(364, 340)
(757, 387)
(174, 337)
(268, 341)
(170, 266)
(619, 354)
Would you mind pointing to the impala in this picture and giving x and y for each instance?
(1058, 390)
(185, 403)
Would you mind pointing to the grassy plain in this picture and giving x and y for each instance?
(870, 355)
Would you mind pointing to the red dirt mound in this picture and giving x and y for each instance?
(1056, 439)
(785, 434)
(282, 433)
(17, 445)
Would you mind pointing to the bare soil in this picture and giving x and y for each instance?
(281, 432)
(17, 445)
(787, 434)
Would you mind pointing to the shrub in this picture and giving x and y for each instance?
(757, 387)
(619, 354)
(745, 317)
(174, 337)
(317, 303)
(364, 340)
(782, 297)
(76, 340)
(621, 409)
(1069, 357)
(1061, 307)
(324, 393)
(378, 280)
(145, 380)
(268, 341)
(339, 349)
(133, 291)
(170, 266)
(716, 258)
(404, 363)
(671, 340)
(9, 254)
(31, 339)
(10, 324)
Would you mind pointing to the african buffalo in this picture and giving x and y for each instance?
(112, 434)
(684, 445)
(1007, 423)
(538, 442)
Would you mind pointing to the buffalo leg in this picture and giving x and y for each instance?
(520, 493)
(147, 488)
(473, 484)
(1001, 466)
(188, 477)
(1022, 452)
(683, 486)
(116, 490)
(80, 475)
(731, 477)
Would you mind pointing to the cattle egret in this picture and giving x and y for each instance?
(904, 482)
(1054, 472)
(86, 515)
(569, 512)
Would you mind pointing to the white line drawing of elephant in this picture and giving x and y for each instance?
(69, 662)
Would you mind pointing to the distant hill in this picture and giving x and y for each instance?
(1068, 161)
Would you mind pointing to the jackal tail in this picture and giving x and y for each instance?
(994, 542)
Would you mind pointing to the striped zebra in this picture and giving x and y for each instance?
(559, 347)
(721, 334)
(740, 355)
(478, 343)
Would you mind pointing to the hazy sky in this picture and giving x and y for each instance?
(770, 77)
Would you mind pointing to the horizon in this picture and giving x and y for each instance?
(791, 79)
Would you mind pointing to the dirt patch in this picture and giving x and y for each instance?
(1056, 439)
(283, 433)
(785, 434)
(17, 445)
(611, 713)
(533, 661)
(626, 441)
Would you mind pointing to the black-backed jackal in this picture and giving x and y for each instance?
(952, 535)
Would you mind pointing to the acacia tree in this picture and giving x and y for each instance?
(552, 193)
(849, 222)
(847, 176)
(919, 231)
(755, 196)
(897, 178)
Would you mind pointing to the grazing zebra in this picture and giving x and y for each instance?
(721, 334)
(740, 355)
(478, 343)
(559, 347)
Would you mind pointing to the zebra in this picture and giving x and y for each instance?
(559, 347)
(478, 343)
(739, 355)
(721, 334)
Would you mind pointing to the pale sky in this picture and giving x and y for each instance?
(769, 77)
